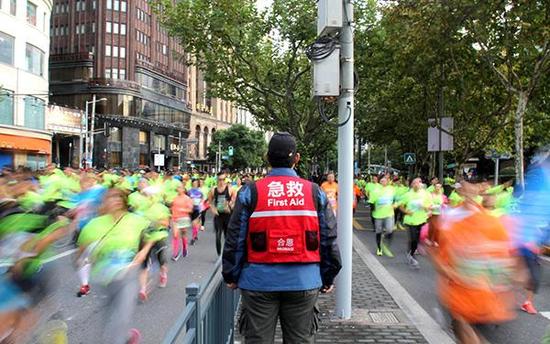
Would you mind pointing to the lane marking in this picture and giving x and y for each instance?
(545, 314)
(545, 258)
(358, 225)
(60, 255)
(427, 326)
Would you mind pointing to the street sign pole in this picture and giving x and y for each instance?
(497, 168)
(345, 164)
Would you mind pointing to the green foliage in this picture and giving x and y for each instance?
(249, 147)
(256, 58)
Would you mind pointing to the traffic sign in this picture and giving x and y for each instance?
(230, 151)
(409, 158)
(159, 160)
(225, 157)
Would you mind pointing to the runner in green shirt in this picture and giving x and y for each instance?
(416, 205)
(384, 204)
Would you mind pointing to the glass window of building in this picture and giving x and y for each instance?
(143, 138)
(160, 142)
(31, 13)
(123, 6)
(107, 73)
(115, 28)
(6, 48)
(114, 73)
(13, 7)
(34, 60)
(108, 27)
(116, 5)
(116, 135)
(115, 51)
(122, 74)
(109, 4)
(94, 4)
(123, 52)
(34, 112)
(107, 50)
(6, 107)
(123, 29)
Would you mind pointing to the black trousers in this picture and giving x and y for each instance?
(220, 225)
(297, 311)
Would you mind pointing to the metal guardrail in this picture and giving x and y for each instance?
(209, 314)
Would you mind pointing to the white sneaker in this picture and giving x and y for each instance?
(412, 261)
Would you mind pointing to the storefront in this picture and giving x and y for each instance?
(17, 149)
(64, 123)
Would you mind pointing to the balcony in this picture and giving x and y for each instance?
(72, 57)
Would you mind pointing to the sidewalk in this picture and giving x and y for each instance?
(377, 316)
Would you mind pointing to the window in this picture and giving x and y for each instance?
(6, 107)
(114, 73)
(143, 138)
(13, 7)
(93, 27)
(44, 21)
(108, 27)
(31, 13)
(116, 6)
(122, 74)
(107, 73)
(164, 49)
(115, 28)
(123, 6)
(34, 113)
(123, 29)
(34, 59)
(6, 48)
(109, 4)
(107, 50)
(94, 4)
(123, 52)
(116, 135)
(115, 51)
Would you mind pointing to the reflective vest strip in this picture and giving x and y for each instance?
(273, 213)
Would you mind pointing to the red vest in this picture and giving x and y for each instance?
(284, 227)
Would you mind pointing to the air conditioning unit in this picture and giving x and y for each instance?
(329, 16)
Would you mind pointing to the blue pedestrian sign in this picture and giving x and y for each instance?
(409, 158)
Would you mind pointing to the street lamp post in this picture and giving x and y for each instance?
(88, 134)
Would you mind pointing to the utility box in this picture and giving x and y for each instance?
(329, 16)
(326, 75)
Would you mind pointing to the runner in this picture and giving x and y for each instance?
(383, 199)
(371, 188)
(182, 209)
(415, 204)
(118, 245)
(196, 195)
(205, 204)
(220, 198)
(330, 187)
(439, 200)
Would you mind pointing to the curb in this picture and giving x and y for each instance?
(427, 326)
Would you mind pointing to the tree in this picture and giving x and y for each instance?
(249, 147)
(256, 58)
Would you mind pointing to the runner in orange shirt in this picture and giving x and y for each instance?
(476, 268)
(330, 187)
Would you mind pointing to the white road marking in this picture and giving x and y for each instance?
(60, 255)
(545, 314)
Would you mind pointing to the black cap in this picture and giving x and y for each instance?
(282, 148)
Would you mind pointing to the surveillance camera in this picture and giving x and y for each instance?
(432, 123)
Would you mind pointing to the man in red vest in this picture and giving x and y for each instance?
(281, 250)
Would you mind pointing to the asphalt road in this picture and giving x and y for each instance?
(153, 318)
(526, 329)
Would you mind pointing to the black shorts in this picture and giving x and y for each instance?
(159, 251)
(195, 215)
(533, 266)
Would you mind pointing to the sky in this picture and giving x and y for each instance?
(263, 3)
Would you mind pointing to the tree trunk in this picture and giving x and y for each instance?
(518, 129)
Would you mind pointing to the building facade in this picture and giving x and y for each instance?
(118, 51)
(24, 50)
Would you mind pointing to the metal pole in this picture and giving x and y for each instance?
(345, 165)
(81, 139)
(92, 133)
(179, 150)
(497, 168)
(368, 158)
(386, 159)
(87, 149)
(440, 123)
(219, 156)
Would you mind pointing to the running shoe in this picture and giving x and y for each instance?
(184, 252)
(84, 290)
(134, 336)
(177, 256)
(378, 252)
(163, 280)
(202, 229)
(528, 307)
(143, 296)
(400, 226)
(193, 241)
(386, 251)
(412, 262)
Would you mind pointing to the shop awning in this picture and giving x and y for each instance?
(24, 143)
